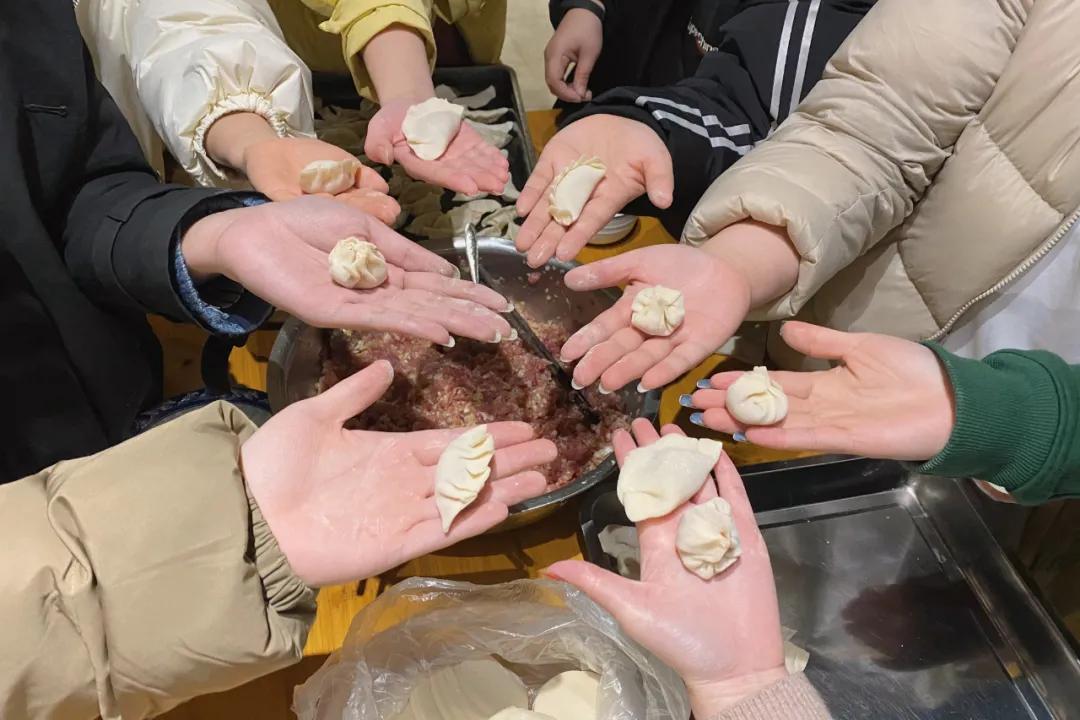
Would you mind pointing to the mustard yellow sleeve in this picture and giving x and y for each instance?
(358, 21)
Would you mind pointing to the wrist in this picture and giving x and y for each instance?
(396, 59)
(761, 255)
(709, 699)
(231, 136)
(201, 245)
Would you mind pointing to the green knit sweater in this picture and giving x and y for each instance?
(1017, 423)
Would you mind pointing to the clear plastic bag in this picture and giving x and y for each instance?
(537, 628)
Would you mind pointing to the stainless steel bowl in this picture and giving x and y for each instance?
(295, 363)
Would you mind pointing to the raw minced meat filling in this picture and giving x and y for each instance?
(474, 383)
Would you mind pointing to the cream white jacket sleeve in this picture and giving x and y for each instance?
(189, 63)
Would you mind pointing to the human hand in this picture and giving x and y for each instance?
(637, 162)
(722, 635)
(349, 504)
(615, 352)
(888, 398)
(245, 142)
(469, 165)
(579, 40)
(273, 167)
(279, 251)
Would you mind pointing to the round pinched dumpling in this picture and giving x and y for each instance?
(356, 263)
(756, 399)
(658, 310)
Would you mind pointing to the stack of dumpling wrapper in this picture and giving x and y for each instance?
(429, 211)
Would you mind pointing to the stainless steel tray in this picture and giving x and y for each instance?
(907, 605)
(295, 363)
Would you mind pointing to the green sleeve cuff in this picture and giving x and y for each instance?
(1016, 423)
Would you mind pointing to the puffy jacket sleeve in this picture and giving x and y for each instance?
(860, 151)
(198, 60)
(358, 21)
(142, 576)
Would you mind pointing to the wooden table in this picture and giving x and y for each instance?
(500, 558)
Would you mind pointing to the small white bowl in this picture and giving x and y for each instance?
(618, 228)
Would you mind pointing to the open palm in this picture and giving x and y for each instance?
(279, 252)
(615, 352)
(273, 168)
(349, 504)
(711, 631)
(888, 398)
(469, 165)
(637, 161)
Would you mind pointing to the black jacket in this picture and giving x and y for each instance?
(711, 77)
(87, 242)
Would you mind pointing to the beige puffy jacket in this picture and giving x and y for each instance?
(935, 162)
(142, 576)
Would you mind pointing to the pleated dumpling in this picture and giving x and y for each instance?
(658, 310)
(707, 540)
(429, 127)
(573, 188)
(756, 399)
(462, 471)
(655, 479)
(329, 176)
(356, 263)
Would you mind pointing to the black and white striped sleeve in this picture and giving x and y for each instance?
(707, 122)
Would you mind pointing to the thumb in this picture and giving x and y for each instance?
(582, 70)
(612, 592)
(607, 273)
(377, 145)
(356, 393)
(659, 178)
(816, 341)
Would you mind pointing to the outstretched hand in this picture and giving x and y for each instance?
(470, 165)
(888, 398)
(349, 504)
(722, 635)
(279, 252)
(615, 352)
(637, 162)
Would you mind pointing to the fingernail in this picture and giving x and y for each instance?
(509, 307)
(738, 437)
(704, 384)
(498, 338)
(602, 390)
(687, 401)
(450, 344)
(698, 419)
(574, 384)
(455, 272)
(512, 336)
(642, 389)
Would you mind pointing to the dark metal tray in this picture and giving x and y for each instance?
(335, 89)
(907, 605)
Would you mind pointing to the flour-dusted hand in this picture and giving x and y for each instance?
(468, 165)
(348, 504)
(888, 398)
(715, 301)
(635, 161)
(280, 252)
(722, 635)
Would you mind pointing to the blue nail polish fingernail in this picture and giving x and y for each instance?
(687, 401)
(698, 419)
(704, 384)
(738, 437)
